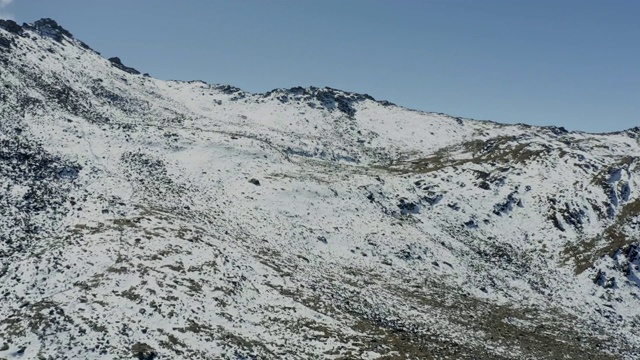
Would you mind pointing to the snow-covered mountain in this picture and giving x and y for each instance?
(152, 219)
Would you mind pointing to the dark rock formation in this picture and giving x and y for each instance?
(49, 28)
(116, 62)
(11, 26)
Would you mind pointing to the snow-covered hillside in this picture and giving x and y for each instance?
(153, 219)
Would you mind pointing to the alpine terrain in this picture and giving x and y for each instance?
(151, 219)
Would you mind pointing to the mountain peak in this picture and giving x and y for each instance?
(45, 27)
(50, 28)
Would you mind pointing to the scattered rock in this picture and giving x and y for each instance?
(508, 204)
(471, 224)
(454, 206)
(5, 43)
(143, 351)
(484, 185)
(408, 207)
(432, 198)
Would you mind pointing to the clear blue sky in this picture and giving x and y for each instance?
(572, 63)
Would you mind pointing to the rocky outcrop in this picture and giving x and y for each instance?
(11, 26)
(117, 63)
(49, 28)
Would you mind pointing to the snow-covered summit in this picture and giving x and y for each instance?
(185, 220)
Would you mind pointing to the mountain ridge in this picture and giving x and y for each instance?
(170, 219)
(48, 24)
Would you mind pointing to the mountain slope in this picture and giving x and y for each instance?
(167, 219)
